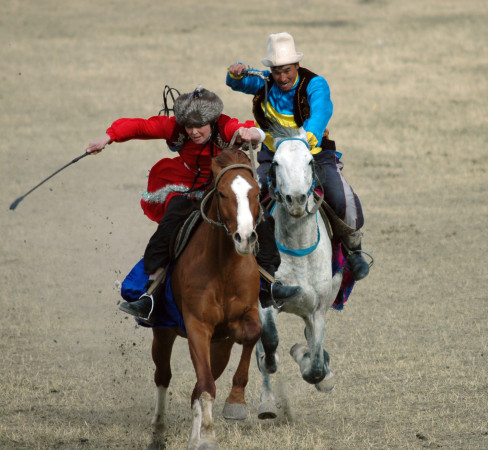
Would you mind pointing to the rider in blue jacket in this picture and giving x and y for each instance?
(296, 97)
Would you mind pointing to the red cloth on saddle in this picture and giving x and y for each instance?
(338, 262)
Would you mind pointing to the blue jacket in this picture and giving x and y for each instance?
(280, 105)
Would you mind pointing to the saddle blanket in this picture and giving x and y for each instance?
(167, 315)
(339, 262)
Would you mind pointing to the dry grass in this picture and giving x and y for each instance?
(409, 87)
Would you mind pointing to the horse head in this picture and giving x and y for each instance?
(291, 176)
(236, 200)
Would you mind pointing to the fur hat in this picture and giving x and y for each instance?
(281, 51)
(198, 108)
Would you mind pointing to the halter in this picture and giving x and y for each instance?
(212, 191)
(299, 251)
(315, 180)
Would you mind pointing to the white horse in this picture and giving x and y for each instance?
(306, 260)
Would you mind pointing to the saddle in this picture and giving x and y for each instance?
(182, 235)
(179, 240)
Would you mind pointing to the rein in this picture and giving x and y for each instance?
(213, 191)
(251, 149)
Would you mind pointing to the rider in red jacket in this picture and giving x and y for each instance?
(198, 132)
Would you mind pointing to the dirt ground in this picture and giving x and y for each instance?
(410, 350)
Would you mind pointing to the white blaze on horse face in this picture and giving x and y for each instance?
(245, 221)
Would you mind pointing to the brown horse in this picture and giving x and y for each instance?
(215, 283)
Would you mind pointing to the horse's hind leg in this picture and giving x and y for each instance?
(162, 346)
(267, 401)
(268, 360)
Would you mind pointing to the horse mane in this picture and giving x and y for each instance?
(229, 157)
(279, 131)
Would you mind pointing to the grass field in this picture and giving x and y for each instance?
(409, 86)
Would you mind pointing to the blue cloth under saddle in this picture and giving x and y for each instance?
(167, 314)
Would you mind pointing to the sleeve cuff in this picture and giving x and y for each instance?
(262, 134)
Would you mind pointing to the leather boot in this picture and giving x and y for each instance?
(275, 294)
(351, 245)
(142, 308)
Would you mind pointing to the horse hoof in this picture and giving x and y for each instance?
(327, 384)
(267, 410)
(235, 411)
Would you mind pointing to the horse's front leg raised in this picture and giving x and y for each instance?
(312, 358)
(203, 396)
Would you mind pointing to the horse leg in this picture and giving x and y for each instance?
(203, 433)
(327, 384)
(268, 361)
(248, 333)
(311, 358)
(162, 346)
(219, 356)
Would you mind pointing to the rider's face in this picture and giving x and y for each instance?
(199, 135)
(285, 76)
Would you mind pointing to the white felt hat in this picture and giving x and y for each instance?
(281, 50)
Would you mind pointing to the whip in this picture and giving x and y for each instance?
(16, 202)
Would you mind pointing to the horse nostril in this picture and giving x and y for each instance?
(253, 238)
(237, 238)
(288, 198)
(303, 198)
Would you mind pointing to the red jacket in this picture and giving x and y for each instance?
(175, 176)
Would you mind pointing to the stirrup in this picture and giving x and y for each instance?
(133, 309)
(355, 260)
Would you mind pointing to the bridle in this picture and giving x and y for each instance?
(213, 191)
(271, 179)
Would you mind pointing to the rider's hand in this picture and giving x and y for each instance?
(252, 135)
(237, 69)
(98, 145)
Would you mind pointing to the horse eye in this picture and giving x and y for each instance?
(221, 195)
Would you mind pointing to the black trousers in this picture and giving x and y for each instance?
(157, 250)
